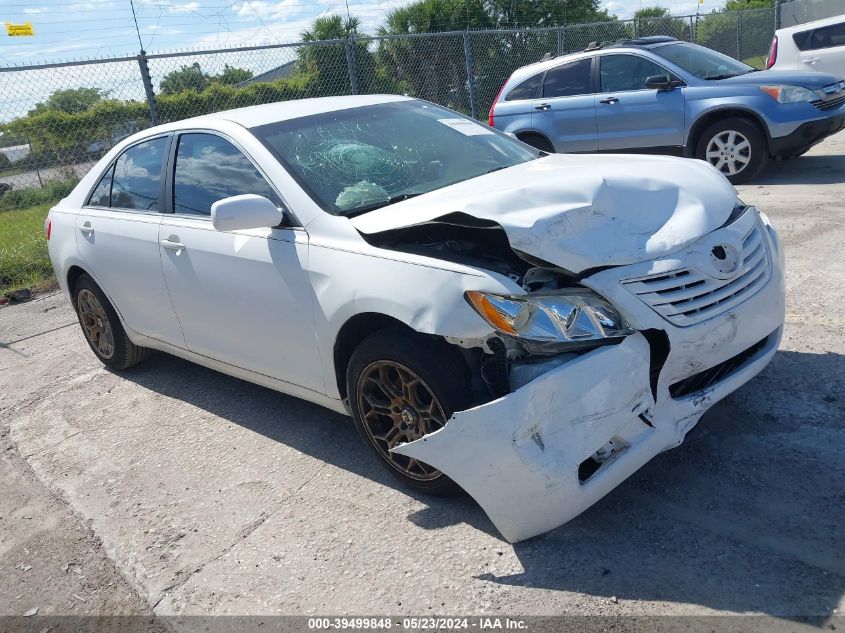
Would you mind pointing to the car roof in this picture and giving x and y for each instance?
(807, 26)
(626, 46)
(253, 116)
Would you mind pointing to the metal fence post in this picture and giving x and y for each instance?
(739, 35)
(148, 87)
(777, 14)
(470, 75)
(560, 40)
(691, 30)
(350, 64)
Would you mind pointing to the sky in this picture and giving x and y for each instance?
(72, 29)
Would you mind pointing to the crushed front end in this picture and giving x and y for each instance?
(568, 427)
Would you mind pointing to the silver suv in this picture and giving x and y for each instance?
(658, 94)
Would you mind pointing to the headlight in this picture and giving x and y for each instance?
(789, 94)
(565, 316)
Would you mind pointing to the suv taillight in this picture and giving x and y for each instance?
(48, 228)
(490, 115)
(773, 53)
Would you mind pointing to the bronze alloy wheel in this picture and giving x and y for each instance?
(95, 323)
(396, 406)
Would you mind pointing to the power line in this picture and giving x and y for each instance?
(137, 30)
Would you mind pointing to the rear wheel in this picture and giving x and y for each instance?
(401, 387)
(734, 146)
(102, 327)
(538, 142)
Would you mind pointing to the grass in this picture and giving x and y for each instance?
(757, 61)
(24, 262)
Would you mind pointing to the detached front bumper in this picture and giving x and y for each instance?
(544, 453)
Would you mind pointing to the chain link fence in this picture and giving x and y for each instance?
(58, 119)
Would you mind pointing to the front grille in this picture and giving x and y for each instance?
(709, 377)
(830, 104)
(686, 296)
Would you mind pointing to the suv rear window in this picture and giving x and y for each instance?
(528, 89)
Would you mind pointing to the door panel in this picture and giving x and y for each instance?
(566, 111)
(243, 297)
(628, 115)
(825, 60)
(121, 250)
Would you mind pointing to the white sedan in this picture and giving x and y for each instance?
(531, 328)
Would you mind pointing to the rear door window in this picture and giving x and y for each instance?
(101, 196)
(826, 37)
(568, 80)
(137, 176)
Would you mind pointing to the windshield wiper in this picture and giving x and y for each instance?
(724, 76)
(381, 203)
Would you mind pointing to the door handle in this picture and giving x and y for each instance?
(610, 100)
(86, 229)
(543, 106)
(811, 60)
(172, 245)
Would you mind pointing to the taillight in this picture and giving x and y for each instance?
(490, 116)
(773, 53)
(48, 227)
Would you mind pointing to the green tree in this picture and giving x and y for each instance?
(530, 13)
(185, 78)
(743, 5)
(658, 21)
(651, 12)
(70, 100)
(326, 64)
(232, 76)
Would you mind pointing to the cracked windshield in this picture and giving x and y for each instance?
(354, 161)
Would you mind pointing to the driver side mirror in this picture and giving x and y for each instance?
(661, 82)
(245, 212)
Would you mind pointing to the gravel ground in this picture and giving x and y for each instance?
(208, 495)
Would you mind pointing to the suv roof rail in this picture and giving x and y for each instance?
(638, 41)
(548, 56)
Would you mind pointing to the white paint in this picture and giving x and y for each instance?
(582, 211)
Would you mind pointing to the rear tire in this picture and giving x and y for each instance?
(102, 327)
(538, 142)
(734, 146)
(402, 386)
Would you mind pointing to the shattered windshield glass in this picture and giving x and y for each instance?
(355, 160)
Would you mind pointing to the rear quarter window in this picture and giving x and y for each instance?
(528, 89)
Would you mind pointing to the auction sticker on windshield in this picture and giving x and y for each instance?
(464, 126)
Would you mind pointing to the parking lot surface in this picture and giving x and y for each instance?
(212, 495)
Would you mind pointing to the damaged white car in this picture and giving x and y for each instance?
(531, 328)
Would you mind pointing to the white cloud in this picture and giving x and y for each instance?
(268, 10)
(35, 10)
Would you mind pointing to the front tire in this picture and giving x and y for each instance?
(401, 387)
(102, 327)
(734, 146)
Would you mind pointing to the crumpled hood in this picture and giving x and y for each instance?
(582, 211)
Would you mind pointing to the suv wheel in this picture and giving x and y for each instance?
(402, 387)
(735, 147)
(538, 142)
(102, 328)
